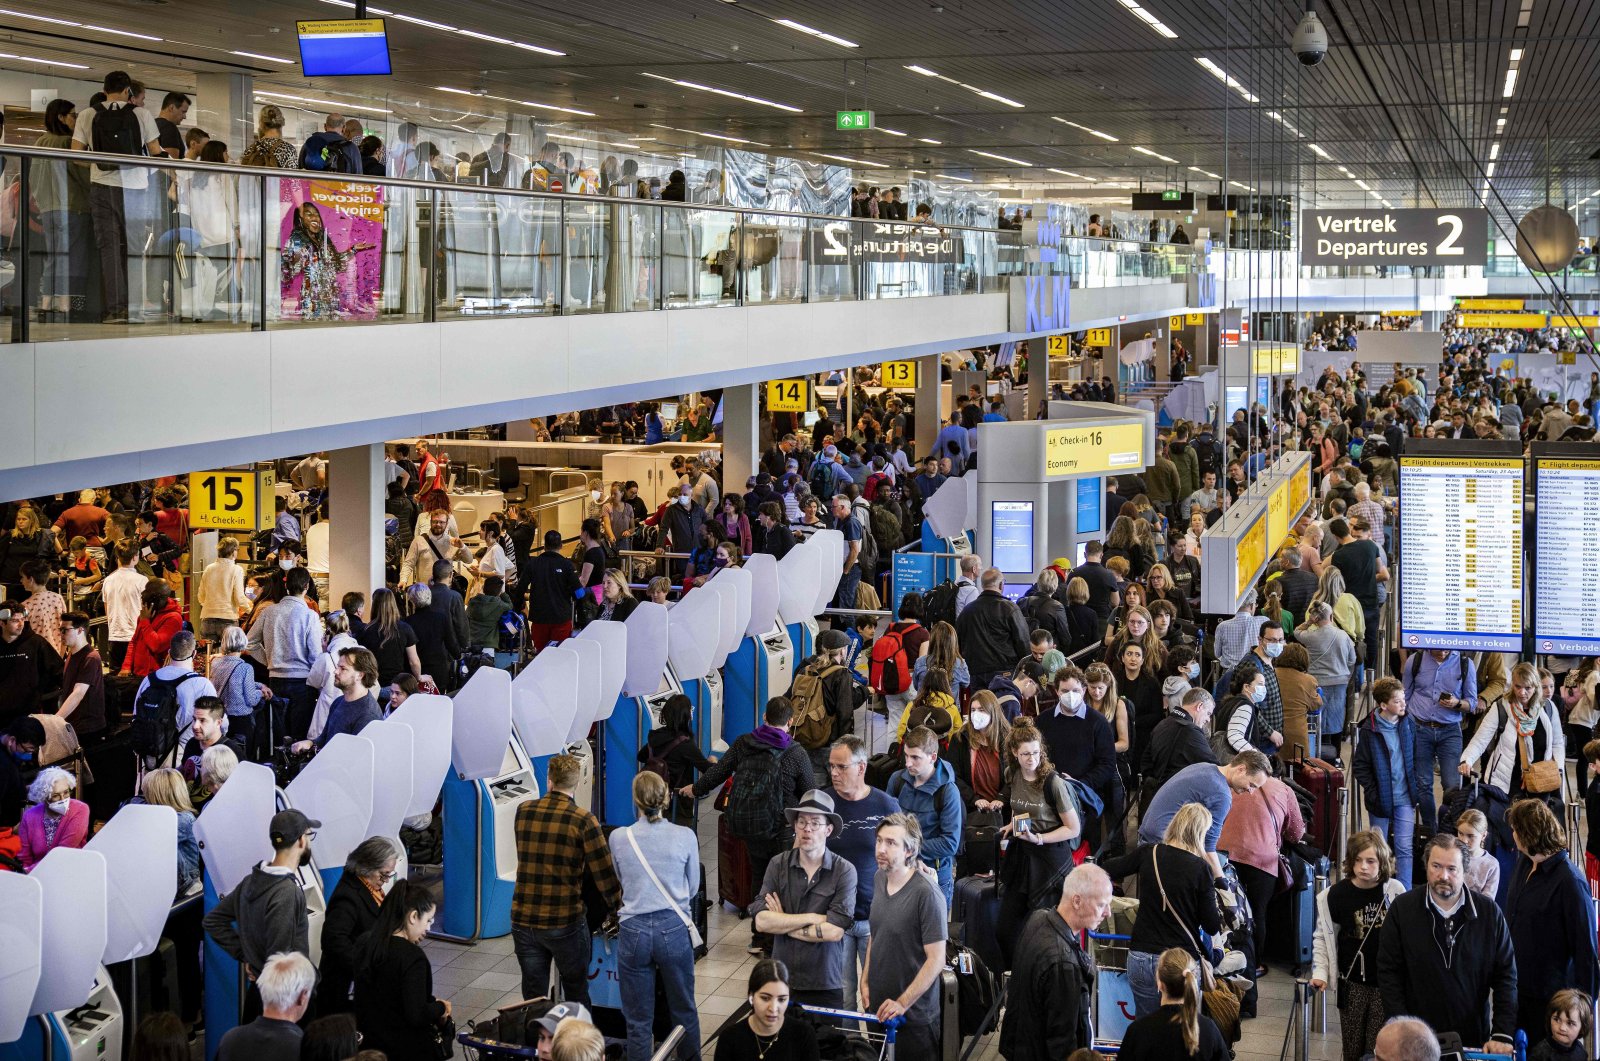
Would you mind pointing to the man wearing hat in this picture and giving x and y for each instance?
(18, 745)
(807, 903)
(30, 669)
(266, 913)
(553, 1017)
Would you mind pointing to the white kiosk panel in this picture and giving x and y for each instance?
(232, 827)
(74, 926)
(647, 649)
(800, 571)
(763, 571)
(831, 542)
(734, 587)
(140, 845)
(335, 789)
(693, 629)
(543, 701)
(393, 773)
(21, 959)
(612, 637)
(591, 688)
(431, 720)
(482, 725)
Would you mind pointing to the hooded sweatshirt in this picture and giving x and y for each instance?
(937, 805)
(264, 915)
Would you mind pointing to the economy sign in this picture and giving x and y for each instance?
(1098, 450)
(1394, 237)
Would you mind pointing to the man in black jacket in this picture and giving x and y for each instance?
(991, 632)
(1049, 1013)
(552, 584)
(448, 602)
(1179, 740)
(1444, 950)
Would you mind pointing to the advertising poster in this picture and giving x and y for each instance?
(331, 235)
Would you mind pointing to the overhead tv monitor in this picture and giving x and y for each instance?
(343, 47)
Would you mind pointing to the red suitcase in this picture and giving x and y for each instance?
(1323, 780)
(734, 885)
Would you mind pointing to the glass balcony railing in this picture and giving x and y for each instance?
(98, 246)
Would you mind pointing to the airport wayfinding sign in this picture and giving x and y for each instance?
(788, 396)
(232, 499)
(1394, 237)
(1094, 450)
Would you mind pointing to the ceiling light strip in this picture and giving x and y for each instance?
(698, 87)
(985, 93)
(1148, 19)
(803, 28)
(1222, 75)
(1001, 158)
(1085, 128)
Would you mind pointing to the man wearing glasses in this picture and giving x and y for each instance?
(1269, 646)
(860, 807)
(266, 913)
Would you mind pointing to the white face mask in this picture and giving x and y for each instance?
(58, 806)
(287, 563)
(594, 495)
(1072, 698)
(979, 720)
(1194, 671)
(684, 499)
(1258, 693)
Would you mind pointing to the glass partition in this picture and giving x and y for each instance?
(341, 252)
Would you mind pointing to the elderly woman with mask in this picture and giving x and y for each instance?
(55, 819)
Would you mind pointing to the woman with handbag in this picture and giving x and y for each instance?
(1526, 747)
(658, 864)
(1344, 950)
(394, 1002)
(1043, 828)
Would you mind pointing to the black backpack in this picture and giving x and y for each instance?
(940, 605)
(155, 716)
(657, 762)
(116, 132)
(755, 803)
(976, 989)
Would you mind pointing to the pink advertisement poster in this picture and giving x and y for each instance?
(332, 256)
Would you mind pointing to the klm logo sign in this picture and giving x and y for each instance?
(1041, 303)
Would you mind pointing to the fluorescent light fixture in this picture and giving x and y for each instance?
(518, 102)
(952, 177)
(42, 62)
(1363, 185)
(1320, 153)
(348, 106)
(1494, 151)
(1222, 75)
(39, 18)
(535, 48)
(1511, 83)
(1246, 187)
(1078, 176)
(258, 55)
(722, 92)
(714, 136)
(370, 10)
(1516, 55)
(926, 140)
(486, 37)
(1155, 154)
(1499, 123)
(1488, 171)
(1000, 158)
(803, 28)
(852, 161)
(121, 32)
(1346, 171)
(1085, 128)
(1208, 173)
(422, 22)
(1281, 120)
(887, 131)
(563, 138)
(1148, 19)
(985, 93)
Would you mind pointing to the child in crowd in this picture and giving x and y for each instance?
(1483, 870)
(1591, 846)
(1344, 951)
(1569, 1017)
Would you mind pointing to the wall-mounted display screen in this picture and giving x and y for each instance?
(343, 47)
(1011, 535)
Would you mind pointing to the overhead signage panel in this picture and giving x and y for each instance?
(1490, 304)
(1503, 320)
(840, 242)
(1094, 450)
(1394, 237)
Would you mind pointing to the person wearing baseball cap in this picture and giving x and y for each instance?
(807, 902)
(266, 913)
(553, 1017)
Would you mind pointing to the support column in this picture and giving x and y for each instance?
(741, 435)
(929, 414)
(1038, 376)
(225, 108)
(355, 521)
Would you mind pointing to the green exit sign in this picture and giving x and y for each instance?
(854, 120)
(1171, 195)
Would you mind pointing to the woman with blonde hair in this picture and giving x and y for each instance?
(1124, 541)
(1524, 742)
(1347, 613)
(943, 651)
(617, 601)
(1100, 693)
(269, 148)
(1177, 1030)
(1177, 899)
(167, 788)
(1139, 628)
(1160, 586)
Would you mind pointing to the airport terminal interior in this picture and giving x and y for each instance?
(518, 539)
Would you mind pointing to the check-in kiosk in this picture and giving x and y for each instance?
(647, 682)
(140, 846)
(831, 542)
(232, 834)
(734, 584)
(73, 1013)
(798, 574)
(21, 959)
(694, 632)
(393, 748)
(544, 705)
(490, 777)
(335, 788)
(947, 517)
(431, 718)
(602, 649)
(759, 666)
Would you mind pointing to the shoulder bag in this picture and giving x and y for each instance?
(1221, 997)
(1541, 777)
(694, 933)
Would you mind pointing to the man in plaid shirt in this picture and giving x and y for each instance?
(1369, 510)
(558, 845)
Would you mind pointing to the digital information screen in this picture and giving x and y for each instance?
(1011, 535)
(343, 47)
(1461, 553)
(1566, 583)
(1088, 502)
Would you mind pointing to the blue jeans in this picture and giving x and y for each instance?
(1441, 745)
(845, 597)
(570, 946)
(1332, 713)
(856, 938)
(649, 945)
(1142, 979)
(1404, 823)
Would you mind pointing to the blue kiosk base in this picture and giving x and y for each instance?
(477, 902)
(743, 690)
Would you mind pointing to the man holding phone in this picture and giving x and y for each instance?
(1441, 690)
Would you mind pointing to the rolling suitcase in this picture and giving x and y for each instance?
(975, 918)
(734, 885)
(1292, 915)
(1323, 780)
(949, 1015)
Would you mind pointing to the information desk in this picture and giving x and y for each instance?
(1566, 556)
(1460, 549)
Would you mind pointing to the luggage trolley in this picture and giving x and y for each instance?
(1111, 996)
(878, 1036)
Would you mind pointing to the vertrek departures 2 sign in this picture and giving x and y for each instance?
(1394, 237)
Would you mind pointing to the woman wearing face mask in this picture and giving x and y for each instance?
(352, 911)
(1040, 834)
(235, 681)
(1240, 722)
(394, 1004)
(978, 754)
(766, 1035)
(55, 819)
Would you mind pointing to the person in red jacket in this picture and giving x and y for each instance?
(160, 617)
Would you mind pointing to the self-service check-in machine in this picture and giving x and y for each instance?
(831, 542)
(335, 788)
(430, 718)
(544, 704)
(694, 633)
(73, 1013)
(760, 666)
(393, 748)
(232, 834)
(490, 778)
(647, 683)
(798, 574)
(602, 648)
(140, 845)
(22, 958)
(734, 584)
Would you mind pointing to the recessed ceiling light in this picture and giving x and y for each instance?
(121, 32)
(348, 106)
(1001, 158)
(925, 140)
(518, 102)
(986, 94)
(723, 92)
(1494, 150)
(803, 28)
(424, 22)
(1078, 176)
(258, 55)
(1222, 75)
(39, 18)
(852, 161)
(1511, 83)
(714, 136)
(1148, 19)
(1488, 171)
(1208, 173)
(1155, 154)
(1281, 120)
(42, 62)
(1320, 153)
(952, 177)
(1246, 187)
(1085, 128)
(1516, 55)
(888, 131)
